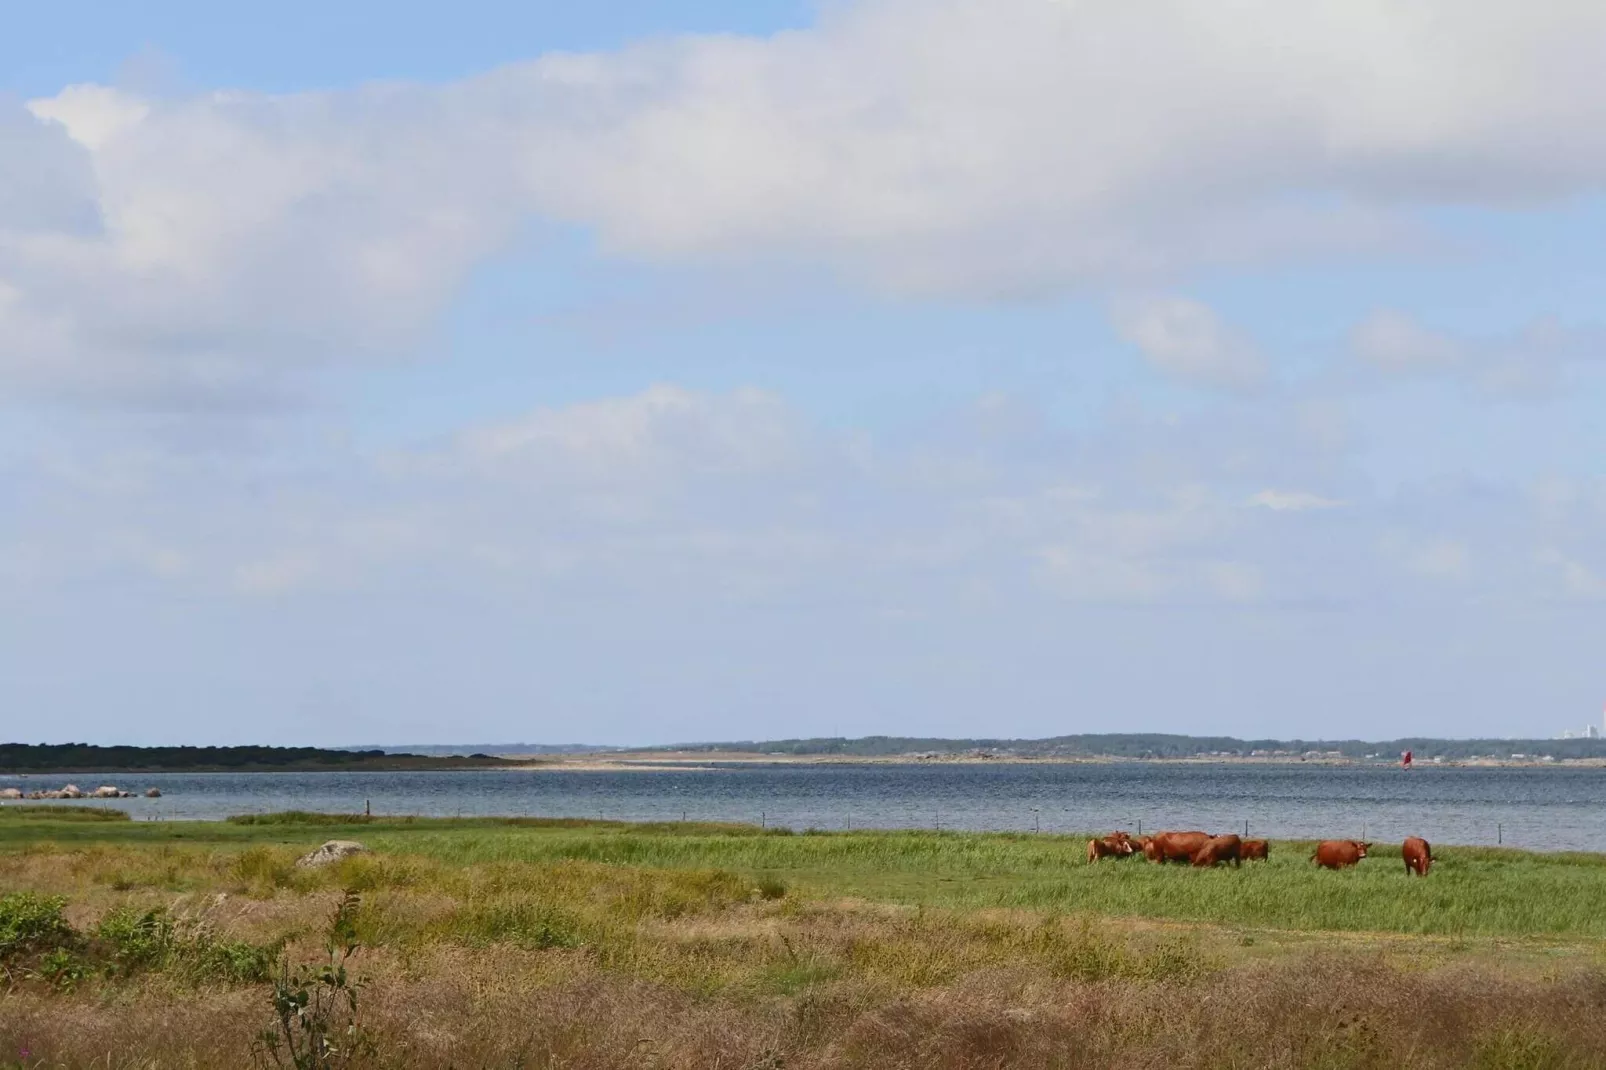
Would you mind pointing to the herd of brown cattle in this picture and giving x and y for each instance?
(1202, 849)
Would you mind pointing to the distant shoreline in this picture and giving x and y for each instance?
(377, 765)
(684, 761)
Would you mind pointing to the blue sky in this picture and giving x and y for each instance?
(655, 372)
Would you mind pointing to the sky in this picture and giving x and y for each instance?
(657, 372)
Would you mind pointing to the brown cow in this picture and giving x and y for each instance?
(1178, 846)
(1336, 854)
(1250, 850)
(1417, 854)
(1108, 847)
(1216, 850)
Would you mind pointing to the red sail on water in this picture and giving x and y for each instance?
(1405, 760)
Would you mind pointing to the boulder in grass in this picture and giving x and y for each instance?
(331, 852)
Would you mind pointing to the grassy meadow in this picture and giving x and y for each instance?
(527, 943)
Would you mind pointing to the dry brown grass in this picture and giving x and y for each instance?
(504, 1008)
(584, 965)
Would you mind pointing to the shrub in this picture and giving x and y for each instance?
(135, 941)
(32, 924)
(316, 1025)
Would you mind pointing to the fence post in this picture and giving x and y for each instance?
(1500, 834)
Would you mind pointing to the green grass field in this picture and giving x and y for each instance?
(589, 944)
(1473, 891)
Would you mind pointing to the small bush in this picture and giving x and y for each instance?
(771, 888)
(136, 940)
(315, 1008)
(62, 968)
(133, 941)
(32, 924)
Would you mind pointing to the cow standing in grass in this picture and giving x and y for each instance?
(1418, 855)
(1218, 849)
(1251, 850)
(1115, 845)
(1339, 854)
(1175, 846)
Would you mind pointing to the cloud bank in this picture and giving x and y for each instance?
(210, 249)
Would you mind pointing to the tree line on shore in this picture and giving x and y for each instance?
(1161, 745)
(77, 757)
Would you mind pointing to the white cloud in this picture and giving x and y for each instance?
(1531, 362)
(92, 114)
(673, 498)
(210, 248)
(1186, 338)
(664, 429)
(1295, 501)
(1396, 343)
(702, 495)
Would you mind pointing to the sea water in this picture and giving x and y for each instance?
(1541, 808)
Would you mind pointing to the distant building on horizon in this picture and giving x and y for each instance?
(1591, 731)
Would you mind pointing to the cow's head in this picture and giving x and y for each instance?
(1361, 848)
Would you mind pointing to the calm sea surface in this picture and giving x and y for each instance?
(1548, 809)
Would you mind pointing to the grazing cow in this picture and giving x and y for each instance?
(1336, 854)
(1250, 850)
(1417, 854)
(1115, 845)
(1150, 849)
(1178, 846)
(1216, 850)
